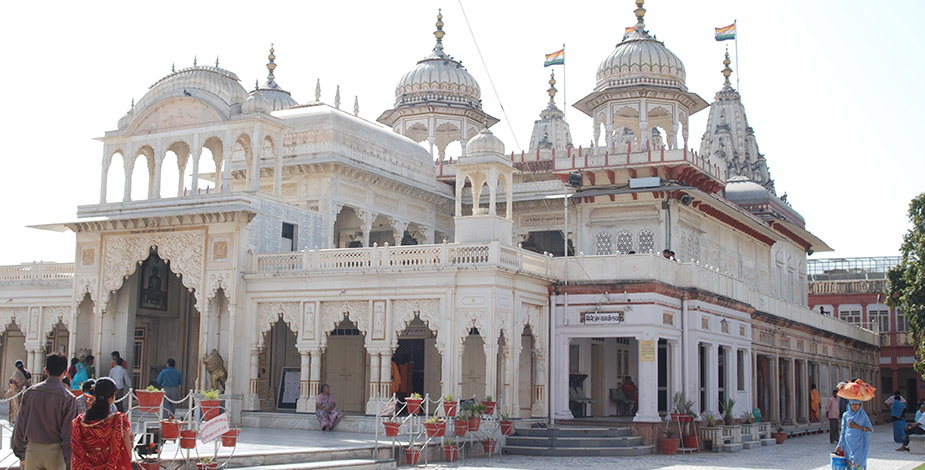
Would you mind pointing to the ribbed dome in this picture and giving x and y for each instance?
(256, 103)
(485, 143)
(278, 99)
(438, 78)
(217, 81)
(640, 60)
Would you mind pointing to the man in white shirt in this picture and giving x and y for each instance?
(917, 427)
(120, 376)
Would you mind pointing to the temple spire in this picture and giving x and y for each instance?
(271, 65)
(552, 88)
(726, 70)
(640, 13)
(438, 48)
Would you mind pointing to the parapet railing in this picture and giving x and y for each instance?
(445, 255)
(37, 271)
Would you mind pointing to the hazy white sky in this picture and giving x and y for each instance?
(832, 88)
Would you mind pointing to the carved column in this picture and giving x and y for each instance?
(159, 155)
(277, 170)
(398, 230)
(253, 399)
(608, 136)
(314, 380)
(127, 166)
(791, 388)
(674, 134)
(539, 383)
(256, 155)
(104, 176)
(304, 405)
(227, 146)
(647, 409)
(774, 395)
(194, 184)
(182, 160)
(712, 385)
(385, 374)
(492, 191)
(374, 374)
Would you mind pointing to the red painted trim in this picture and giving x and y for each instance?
(789, 234)
(738, 225)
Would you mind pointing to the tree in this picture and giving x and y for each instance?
(906, 282)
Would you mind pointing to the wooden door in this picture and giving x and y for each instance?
(345, 372)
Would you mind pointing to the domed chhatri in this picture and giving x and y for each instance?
(485, 143)
(438, 77)
(640, 59)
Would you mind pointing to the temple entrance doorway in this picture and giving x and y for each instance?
(345, 367)
(14, 349)
(150, 319)
(279, 352)
(419, 363)
(473, 366)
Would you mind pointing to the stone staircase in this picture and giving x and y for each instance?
(576, 441)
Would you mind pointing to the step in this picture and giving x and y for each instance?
(531, 441)
(769, 442)
(751, 445)
(574, 432)
(732, 447)
(578, 451)
(359, 464)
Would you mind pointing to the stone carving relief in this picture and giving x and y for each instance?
(403, 311)
(332, 313)
(88, 257)
(184, 250)
(220, 280)
(308, 320)
(51, 316)
(269, 312)
(33, 330)
(174, 114)
(378, 319)
(9, 315)
(83, 285)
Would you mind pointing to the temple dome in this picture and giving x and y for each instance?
(257, 103)
(438, 78)
(216, 81)
(485, 143)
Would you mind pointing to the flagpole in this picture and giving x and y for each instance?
(735, 27)
(564, 92)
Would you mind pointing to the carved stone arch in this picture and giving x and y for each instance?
(467, 321)
(85, 285)
(220, 280)
(268, 313)
(52, 315)
(11, 315)
(332, 313)
(404, 311)
(185, 252)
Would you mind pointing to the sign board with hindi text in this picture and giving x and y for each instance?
(214, 428)
(289, 388)
(602, 318)
(647, 351)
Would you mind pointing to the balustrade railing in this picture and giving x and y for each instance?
(401, 257)
(40, 271)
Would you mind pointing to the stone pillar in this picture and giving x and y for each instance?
(254, 170)
(539, 384)
(676, 384)
(253, 399)
(753, 376)
(674, 134)
(277, 171)
(181, 166)
(398, 230)
(560, 379)
(774, 395)
(791, 388)
(492, 192)
(104, 176)
(194, 183)
(804, 390)
(647, 408)
(227, 146)
(127, 166)
(155, 192)
(385, 374)
(304, 405)
(732, 376)
(314, 380)
(609, 136)
(508, 399)
(643, 134)
(712, 385)
(374, 376)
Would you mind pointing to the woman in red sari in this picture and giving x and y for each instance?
(101, 439)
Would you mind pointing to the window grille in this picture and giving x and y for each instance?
(624, 242)
(646, 241)
(604, 243)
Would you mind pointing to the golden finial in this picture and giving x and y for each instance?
(439, 32)
(640, 12)
(271, 65)
(195, 61)
(552, 88)
(216, 61)
(726, 70)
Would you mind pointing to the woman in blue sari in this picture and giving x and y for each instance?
(79, 378)
(897, 408)
(855, 436)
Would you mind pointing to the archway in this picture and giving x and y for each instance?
(348, 229)
(13, 349)
(115, 177)
(345, 366)
(279, 353)
(151, 318)
(473, 366)
(418, 360)
(525, 375)
(56, 340)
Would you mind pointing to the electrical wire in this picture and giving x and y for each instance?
(492, 82)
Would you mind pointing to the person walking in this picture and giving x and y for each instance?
(170, 379)
(19, 381)
(102, 439)
(831, 412)
(42, 434)
(854, 441)
(814, 401)
(123, 382)
(897, 408)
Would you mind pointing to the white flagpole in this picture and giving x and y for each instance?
(735, 26)
(564, 95)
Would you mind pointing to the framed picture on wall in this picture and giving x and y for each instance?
(154, 275)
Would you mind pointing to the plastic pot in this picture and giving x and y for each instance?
(149, 402)
(391, 428)
(412, 455)
(460, 427)
(450, 453)
(170, 430)
(490, 407)
(149, 464)
(449, 408)
(474, 423)
(230, 438)
(414, 405)
(668, 446)
(489, 446)
(210, 408)
(507, 428)
(188, 438)
(435, 429)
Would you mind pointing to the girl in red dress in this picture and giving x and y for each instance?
(100, 439)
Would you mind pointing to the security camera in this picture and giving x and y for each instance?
(685, 199)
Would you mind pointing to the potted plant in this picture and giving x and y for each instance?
(435, 427)
(170, 429)
(149, 399)
(681, 408)
(210, 404)
(230, 437)
(450, 450)
(391, 428)
(461, 424)
(475, 416)
(414, 403)
(145, 453)
(490, 404)
(207, 463)
(749, 426)
(412, 455)
(780, 436)
(188, 438)
(489, 445)
(450, 406)
(710, 431)
(668, 445)
(507, 426)
(728, 407)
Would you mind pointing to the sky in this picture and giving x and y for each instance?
(831, 88)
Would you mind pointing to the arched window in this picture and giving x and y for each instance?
(646, 241)
(624, 242)
(604, 243)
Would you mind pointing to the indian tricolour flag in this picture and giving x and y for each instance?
(726, 32)
(556, 58)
